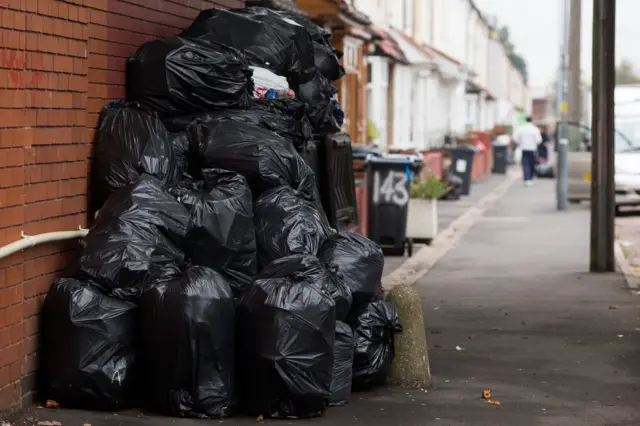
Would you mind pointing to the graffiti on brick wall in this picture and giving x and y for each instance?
(16, 62)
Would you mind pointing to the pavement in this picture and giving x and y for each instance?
(449, 211)
(510, 308)
(628, 235)
(556, 345)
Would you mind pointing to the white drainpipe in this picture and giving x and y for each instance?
(29, 241)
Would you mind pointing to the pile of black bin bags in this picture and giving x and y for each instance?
(209, 283)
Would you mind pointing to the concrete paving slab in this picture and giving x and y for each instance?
(449, 211)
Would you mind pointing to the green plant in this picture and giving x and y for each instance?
(430, 189)
(372, 131)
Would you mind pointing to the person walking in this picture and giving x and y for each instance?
(527, 137)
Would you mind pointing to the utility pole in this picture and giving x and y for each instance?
(602, 136)
(561, 136)
(575, 90)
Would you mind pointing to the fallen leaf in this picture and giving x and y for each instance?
(86, 424)
(260, 418)
(493, 402)
(613, 307)
(486, 394)
(51, 404)
(458, 348)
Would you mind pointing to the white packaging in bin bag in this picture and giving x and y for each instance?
(263, 80)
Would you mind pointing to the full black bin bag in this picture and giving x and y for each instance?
(138, 232)
(221, 232)
(130, 142)
(264, 158)
(88, 347)
(188, 345)
(286, 336)
(286, 224)
(343, 352)
(374, 332)
(265, 36)
(180, 76)
(360, 261)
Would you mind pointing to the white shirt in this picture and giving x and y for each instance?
(528, 137)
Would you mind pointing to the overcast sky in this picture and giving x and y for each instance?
(535, 31)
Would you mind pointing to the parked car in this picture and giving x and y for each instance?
(627, 163)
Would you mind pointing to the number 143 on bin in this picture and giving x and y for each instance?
(391, 188)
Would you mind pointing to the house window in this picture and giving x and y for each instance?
(350, 58)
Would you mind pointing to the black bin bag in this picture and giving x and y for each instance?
(319, 93)
(326, 58)
(327, 61)
(129, 142)
(88, 347)
(265, 36)
(285, 117)
(374, 332)
(343, 351)
(138, 233)
(360, 261)
(188, 345)
(265, 159)
(221, 232)
(286, 224)
(286, 332)
(180, 76)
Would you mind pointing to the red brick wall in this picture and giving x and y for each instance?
(60, 61)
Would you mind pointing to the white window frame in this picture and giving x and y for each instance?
(377, 91)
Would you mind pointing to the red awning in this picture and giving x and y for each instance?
(385, 45)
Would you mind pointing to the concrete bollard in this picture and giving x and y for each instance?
(410, 366)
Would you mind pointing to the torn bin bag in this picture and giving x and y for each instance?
(374, 332)
(180, 76)
(265, 36)
(265, 159)
(287, 224)
(88, 347)
(188, 345)
(359, 260)
(221, 233)
(286, 338)
(138, 231)
(323, 112)
(181, 151)
(130, 142)
(343, 351)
